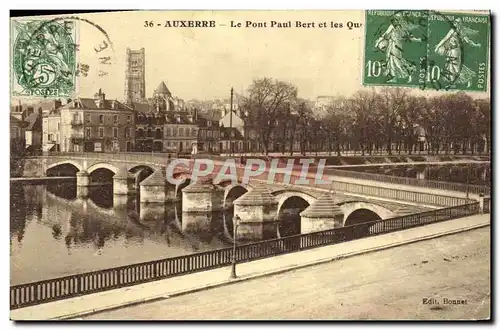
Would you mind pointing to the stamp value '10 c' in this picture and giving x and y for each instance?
(426, 49)
(43, 57)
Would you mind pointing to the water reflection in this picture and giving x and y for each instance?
(55, 233)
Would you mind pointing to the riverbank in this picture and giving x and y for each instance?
(353, 160)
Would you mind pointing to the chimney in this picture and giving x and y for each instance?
(100, 97)
(58, 103)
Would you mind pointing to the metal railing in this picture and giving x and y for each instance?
(81, 284)
(371, 190)
(442, 185)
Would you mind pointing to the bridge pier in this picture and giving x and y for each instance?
(152, 212)
(82, 184)
(257, 212)
(123, 182)
(323, 214)
(170, 192)
(199, 201)
(202, 197)
(82, 179)
(120, 201)
(82, 192)
(152, 189)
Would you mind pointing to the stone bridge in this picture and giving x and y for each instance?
(258, 204)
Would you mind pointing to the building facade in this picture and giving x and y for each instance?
(17, 136)
(96, 125)
(51, 137)
(33, 133)
(181, 132)
(208, 133)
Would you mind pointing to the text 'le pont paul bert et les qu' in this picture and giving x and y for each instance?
(296, 24)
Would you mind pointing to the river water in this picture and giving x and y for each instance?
(53, 233)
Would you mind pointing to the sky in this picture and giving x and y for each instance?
(204, 63)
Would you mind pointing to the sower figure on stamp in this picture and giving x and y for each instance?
(449, 46)
(391, 42)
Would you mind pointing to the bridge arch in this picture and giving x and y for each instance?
(289, 214)
(283, 195)
(50, 168)
(362, 211)
(107, 166)
(141, 172)
(233, 192)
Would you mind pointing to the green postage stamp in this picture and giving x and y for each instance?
(426, 49)
(43, 57)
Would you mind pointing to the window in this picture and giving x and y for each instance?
(209, 134)
(130, 132)
(101, 119)
(75, 116)
(181, 131)
(209, 123)
(101, 131)
(193, 131)
(169, 131)
(115, 119)
(115, 132)
(87, 132)
(51, 137)
(174, 131)
(129, 119)
(150, 132)
(158, 134)
(87, 118)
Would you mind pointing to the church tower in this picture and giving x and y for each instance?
(162, 98)
(135, 76)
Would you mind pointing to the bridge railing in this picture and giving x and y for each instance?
(442, 185)
(158, 158)
(376, 191)
(75, 285)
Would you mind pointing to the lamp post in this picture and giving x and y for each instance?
(236, 222)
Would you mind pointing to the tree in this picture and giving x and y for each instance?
(269, 102)
(483, 123)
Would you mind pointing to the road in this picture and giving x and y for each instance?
(389, 284)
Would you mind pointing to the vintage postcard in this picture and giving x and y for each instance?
(250, 165)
